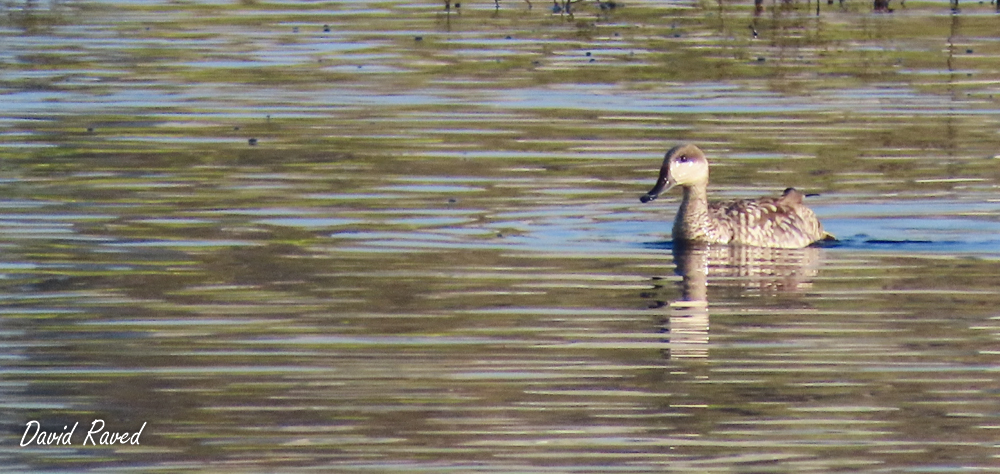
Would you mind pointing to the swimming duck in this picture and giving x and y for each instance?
(782, 222)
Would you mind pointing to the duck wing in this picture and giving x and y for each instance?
(770, 222)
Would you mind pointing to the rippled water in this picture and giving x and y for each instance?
(380, 237)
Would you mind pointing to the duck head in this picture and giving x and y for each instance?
(684, 165)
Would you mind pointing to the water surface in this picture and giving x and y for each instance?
(432, 258)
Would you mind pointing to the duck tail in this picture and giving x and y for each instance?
(791, 196)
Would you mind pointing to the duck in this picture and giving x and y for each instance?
(774, 222)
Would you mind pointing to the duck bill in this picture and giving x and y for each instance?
(663, 183)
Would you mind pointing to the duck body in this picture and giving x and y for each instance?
(781, 222)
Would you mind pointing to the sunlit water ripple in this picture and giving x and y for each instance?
(431, 257)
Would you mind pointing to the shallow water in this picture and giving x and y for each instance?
(434, 259)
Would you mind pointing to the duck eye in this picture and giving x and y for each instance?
(682, 159)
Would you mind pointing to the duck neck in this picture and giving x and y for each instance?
(693, 213)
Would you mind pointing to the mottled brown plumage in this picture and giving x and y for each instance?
(782, 222)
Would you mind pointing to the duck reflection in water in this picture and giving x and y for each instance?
(731, 271)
